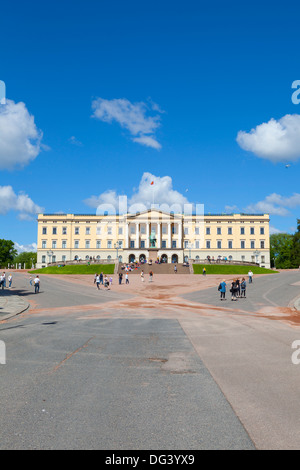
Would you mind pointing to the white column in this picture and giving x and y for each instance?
(147, 234)
(169, 235)
(180, 235)
(127, 235)
(137, 235)
(158, 235)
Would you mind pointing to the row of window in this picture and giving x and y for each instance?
(133, 244)
(164, 230)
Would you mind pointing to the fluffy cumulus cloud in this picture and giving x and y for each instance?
(277, 141)
(274, 204)
(32, 247)
(21, 203)
(20, 140)
(151, 190)
(134, 117)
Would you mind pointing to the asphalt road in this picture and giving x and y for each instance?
(273, 290)
(106, 383)
(170, 380)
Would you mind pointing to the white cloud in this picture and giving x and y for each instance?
(274, 204)
(21, 203)
(73, 140)
(277, 141)
(160, 193)
(32, 247)
(20, 140)
(130, 116)
(273, 230)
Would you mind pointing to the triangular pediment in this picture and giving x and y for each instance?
(153, 215)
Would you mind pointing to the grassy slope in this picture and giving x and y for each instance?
(77, 269)
(230, 269)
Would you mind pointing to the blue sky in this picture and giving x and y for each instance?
(103, 96)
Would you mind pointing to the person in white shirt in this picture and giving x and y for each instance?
(250, 274)
(9, 281)
(36, 283)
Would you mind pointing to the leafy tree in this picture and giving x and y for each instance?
(281, 250)
(28, 258)
(295, 258)
(7, 252)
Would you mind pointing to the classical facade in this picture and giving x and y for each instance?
(153, 234)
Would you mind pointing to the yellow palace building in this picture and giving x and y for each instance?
(153, 234)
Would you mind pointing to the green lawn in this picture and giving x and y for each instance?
(77, 269)
(230, 269)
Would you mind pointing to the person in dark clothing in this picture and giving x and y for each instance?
(243, 288)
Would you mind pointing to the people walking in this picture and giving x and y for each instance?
(250, 274)
(9, 281)
(142, 276)
(106, 282)
(238, 288)
(126, 278)
(175, 269)
(150, 276)
(233, 290)
(243, 288)
(222, 289)
(36, 283)
(98, 281)
(204, 272)
(120, 278)
(101, 278)
(2, 281)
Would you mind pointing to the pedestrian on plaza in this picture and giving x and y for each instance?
(30, 280)
(175, 269)
(142, 276)
(4, 279)
(222, 289)
(9, 281)
(150, 276)
(36, 285)
(233, 290)
(101, 278)
(250, 274)
(204, 272)
(106, 282)
(238, 288)
(126, 278)
(98, 281)
(95, 278)
(110, 281)
(120, 278)
(243, 288)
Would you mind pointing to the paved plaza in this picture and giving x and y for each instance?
(150, 365)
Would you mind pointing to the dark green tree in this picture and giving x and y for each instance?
(295, 258)
(281, 250)
(28, 258)
(7, 252)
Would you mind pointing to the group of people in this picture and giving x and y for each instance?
(237, 288)
(3, 280)
(101, 279)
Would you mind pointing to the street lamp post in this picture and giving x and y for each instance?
(50, 254)
(256, 254)
(117, 247)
